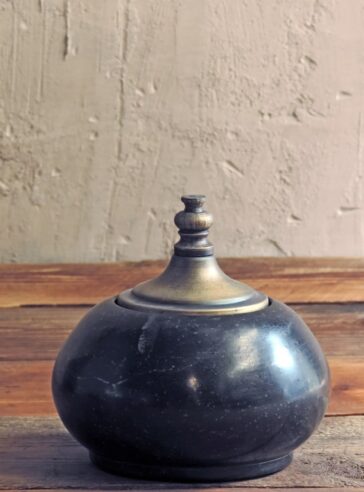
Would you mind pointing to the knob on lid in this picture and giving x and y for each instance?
(193, 282)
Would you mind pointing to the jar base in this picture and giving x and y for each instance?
(166, 473)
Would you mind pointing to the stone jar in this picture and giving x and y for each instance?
(191, 376)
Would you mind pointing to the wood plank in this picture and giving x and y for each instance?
(37, 333)
(295, 280)
(338, 327)
(38, 453)
(347, 386)
(31, 337)
(219, 488)
(26, 387)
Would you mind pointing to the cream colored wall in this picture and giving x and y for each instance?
(110, 110)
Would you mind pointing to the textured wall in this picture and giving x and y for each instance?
(109, 110)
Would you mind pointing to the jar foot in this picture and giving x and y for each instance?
(223, 473)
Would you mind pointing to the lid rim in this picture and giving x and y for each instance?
(130, 301)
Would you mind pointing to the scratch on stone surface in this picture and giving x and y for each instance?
(360, 145)
(343, 95)
(93, 135)
(69, 49)
(347, 209)
(163, 370)
(40, 5)
(278, 247)
(40, 85)
(208, 354)
(124, 240)
(8, 131)
(14, 54)
(295, 115)
(308, 60)
(120, 118)
(95, 378)
(152, 87)
(148, 335)
(56, 172)
(4, 189)
(172, 368)
(231, 167)
(140, 92)
(124, 59)
(151, 219)
(294, 218)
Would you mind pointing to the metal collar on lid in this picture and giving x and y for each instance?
(193, 282)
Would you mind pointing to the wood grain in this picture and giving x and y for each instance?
(347, 386)
(26, 387)
(215, 488)
(32, 336)
(39, 453)
(338, 327)
(294, 280)
(37, 333)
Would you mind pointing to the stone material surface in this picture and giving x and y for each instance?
(185, 398)
(110, 110)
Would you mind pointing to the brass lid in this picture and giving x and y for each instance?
(193, 282)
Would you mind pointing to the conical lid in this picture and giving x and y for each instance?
(193, 282)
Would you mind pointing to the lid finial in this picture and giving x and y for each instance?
(193, 224)
(193, 283)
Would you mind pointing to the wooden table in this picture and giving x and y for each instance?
(40, 304)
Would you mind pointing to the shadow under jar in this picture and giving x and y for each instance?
(191, 376)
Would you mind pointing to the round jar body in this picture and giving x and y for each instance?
(180, 397)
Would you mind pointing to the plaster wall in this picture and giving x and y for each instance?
(110, 110)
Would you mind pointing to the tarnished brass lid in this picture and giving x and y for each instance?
(193, 282)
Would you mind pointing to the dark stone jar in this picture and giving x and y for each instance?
(191, 376)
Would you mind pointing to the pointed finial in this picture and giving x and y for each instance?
(193, 224)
